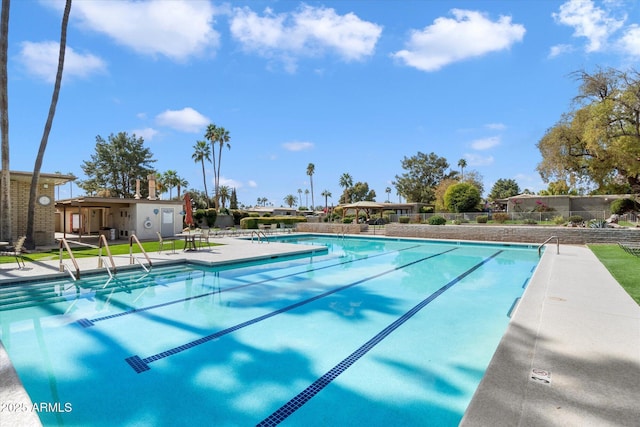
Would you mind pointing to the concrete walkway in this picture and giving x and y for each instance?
(571, 353)
(575, 327)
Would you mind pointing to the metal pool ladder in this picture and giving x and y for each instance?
(64, 266)
(136, 259)
(257, 234)
(547, 241)
(102, 242)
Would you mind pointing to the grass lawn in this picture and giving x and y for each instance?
(86, 252)
(624, 267)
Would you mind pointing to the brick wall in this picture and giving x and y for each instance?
(330, 227)
(524, 234)
(44, 216)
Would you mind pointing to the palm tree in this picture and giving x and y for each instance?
(181, 183)
(169, 180)
(388, 191)
(212, 135)
(221, 136)
(290, 200)
(306, 196)
(311, 169)
(326, 194)
(225, 193)
(30, 242)
(6, 232)
(299, 196)
(346, 181)
(202, 152)
(463, 164)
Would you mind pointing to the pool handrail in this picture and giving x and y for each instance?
(132, 258)
(102, 242)
(63, 266)
(258, 233)
(547, 241)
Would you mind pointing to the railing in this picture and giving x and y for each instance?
(257, 233)
(132, 258)
(547, 241)
(102, 242)
(64, 266)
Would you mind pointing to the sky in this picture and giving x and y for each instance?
(350, 86)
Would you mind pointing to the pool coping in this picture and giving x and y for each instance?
(574, 322)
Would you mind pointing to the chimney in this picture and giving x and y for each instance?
(137, 195)
(152, 187)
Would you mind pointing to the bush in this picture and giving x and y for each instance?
(529, 221)
(621, 206)
(482, 219)
(598, 223)
(403, 220)
(500, 217)
(576, 219)
(347, 220)
(252, 222)
(210, 217)
(558, 220)
(437, 220)
(462, 197)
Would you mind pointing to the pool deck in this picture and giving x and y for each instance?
(575, 327)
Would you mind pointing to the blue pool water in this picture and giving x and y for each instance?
(374, 332)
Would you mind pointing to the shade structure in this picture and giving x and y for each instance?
(188, 209)
(362, 205)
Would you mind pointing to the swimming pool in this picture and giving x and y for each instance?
(374, 332)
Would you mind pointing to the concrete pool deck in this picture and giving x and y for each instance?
(574, 326)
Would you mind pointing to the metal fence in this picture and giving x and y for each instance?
(539, 217)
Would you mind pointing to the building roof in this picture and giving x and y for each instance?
(45, 178)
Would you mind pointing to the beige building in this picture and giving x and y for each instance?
(44, 215)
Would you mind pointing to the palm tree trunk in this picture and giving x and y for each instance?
(6, 231)
(30, 242)
(204, 179)
(217, 201)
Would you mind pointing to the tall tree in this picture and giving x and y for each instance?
(225, 193)
(202, 152)
(361, 192)
(598, 142)
(30, 242)
(6, 230)
(169, 180)
(346, 182)
(424, 172)
(306, 195)
(326, 194)
(299, 196)
(311, 169)
(233, 201)
(290, 200)
(462, 197)
(462, 163)
(117, 164)
(503, 189)
(217, 135)
(388, 191)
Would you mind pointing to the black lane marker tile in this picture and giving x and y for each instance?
(303, 397)
(85, 322)
(218, 334)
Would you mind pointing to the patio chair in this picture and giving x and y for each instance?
(631, 248)
(204, 237)
(16, 251)
(162, 241)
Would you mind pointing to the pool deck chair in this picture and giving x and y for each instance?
(16, 251)
(631, 248)
(162, 242)
(204, 237)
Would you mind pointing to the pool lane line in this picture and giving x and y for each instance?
(86, 323)
(140, 365)
(304, 396)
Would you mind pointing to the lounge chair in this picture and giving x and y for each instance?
(162, 241)
(16, 251)
(204, 237)
(631, 248)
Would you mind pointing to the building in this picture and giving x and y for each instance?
(44, 213)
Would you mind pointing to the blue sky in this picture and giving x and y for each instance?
(350, 86)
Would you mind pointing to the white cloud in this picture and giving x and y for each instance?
(485, 143)
(41, 60)
(308, 31)
(469, 34)
(185, 120)
(630, 41)
(559, 49)
(175, 29)
(588, 21)
(147, 133)
(478, 160)
(495, 126)
(298, 146)
(251, 183)
(231, 183)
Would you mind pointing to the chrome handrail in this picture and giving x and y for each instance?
(102, 239)
(63, 242)
(132, 258)
(547, 241)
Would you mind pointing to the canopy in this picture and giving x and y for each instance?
(362, 205)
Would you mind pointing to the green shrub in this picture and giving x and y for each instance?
(437, 220)
(251, 222)
(210, 217)
(558, 220)
(529, 221)
(404, 220)
(500, 217)
(347, 220)
(576, 219)
(597, 223)
(482, 219)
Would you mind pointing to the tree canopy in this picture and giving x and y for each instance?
(423, 174)
(598, 143)
(504, 188)
(117, 164)
(462, 197)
